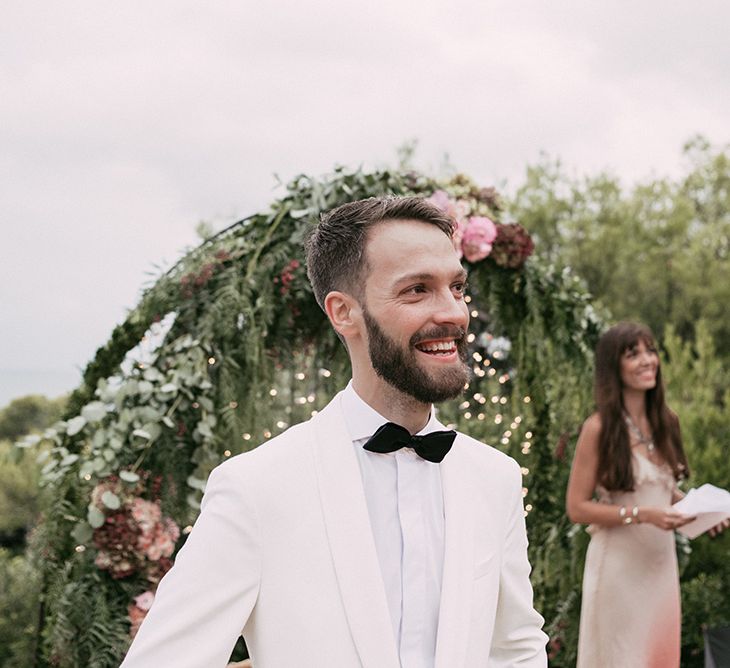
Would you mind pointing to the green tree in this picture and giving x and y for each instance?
(19, 495)
(26, 414)
(658, 252)
(19, 592)
(697, 382)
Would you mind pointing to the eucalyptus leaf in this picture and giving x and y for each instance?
(196, 483)
(75, 425)
(206, 403)
(87, 468)
(94, 411)
(95, 517)
(193, 500)
(145, 387)
(153, 430)
(152, 374)
(128, 476)
(204, 429)
(111, 500)
(69, 459)
(82, 533)
(98, 439)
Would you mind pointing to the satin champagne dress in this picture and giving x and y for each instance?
(630, 614)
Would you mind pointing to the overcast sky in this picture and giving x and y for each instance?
(122, 125)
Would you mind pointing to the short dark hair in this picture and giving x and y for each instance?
(335, 249)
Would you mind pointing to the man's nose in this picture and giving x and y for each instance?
(452, 309)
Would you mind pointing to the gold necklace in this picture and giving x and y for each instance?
(643, 440)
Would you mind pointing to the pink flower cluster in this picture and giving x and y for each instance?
(135, 537)
(193, 281)
(158, 534)
(477, 237)
(474, 235)
(286, 278)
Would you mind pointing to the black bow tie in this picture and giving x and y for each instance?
(391, 437)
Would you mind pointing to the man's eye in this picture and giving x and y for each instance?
(417, 289)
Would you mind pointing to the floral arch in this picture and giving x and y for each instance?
(230, 348)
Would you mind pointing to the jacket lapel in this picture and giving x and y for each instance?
(455, 609)
(351, 540)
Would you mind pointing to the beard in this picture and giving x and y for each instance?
(400, 368)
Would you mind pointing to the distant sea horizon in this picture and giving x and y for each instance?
(52, 383)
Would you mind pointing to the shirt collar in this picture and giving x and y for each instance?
(362, 420)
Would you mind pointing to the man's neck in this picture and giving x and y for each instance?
(394, 405)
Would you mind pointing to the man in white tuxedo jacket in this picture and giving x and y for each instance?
(344, 543)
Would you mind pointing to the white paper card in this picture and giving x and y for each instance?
(710, 504)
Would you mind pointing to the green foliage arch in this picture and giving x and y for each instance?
(237, 351)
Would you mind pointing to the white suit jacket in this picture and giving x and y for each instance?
(283, 552)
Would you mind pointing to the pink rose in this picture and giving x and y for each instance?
(144, 601)
(478, 236)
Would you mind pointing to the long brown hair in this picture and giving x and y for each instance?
(614, 448)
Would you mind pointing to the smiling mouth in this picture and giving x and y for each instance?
(437, 348)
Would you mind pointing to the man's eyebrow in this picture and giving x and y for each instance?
(427, 276)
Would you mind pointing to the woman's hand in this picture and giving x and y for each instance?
(663, 518)
(719, 528)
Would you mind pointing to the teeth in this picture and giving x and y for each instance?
(440, 346)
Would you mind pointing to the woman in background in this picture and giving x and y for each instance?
(629, 454)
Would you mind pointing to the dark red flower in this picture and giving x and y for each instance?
(512, 246)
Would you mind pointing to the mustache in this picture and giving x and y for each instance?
(442, 332)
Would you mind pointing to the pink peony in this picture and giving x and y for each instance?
(477, 239)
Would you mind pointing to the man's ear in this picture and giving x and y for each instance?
(343, 311)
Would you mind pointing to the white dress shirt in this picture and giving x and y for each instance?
(406, 508)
